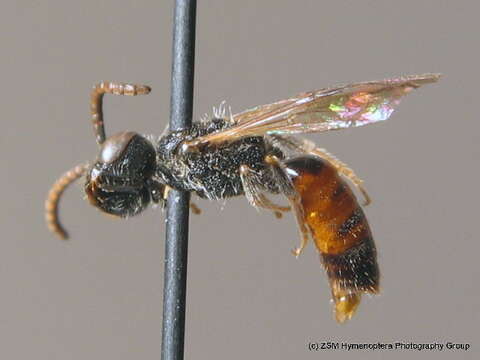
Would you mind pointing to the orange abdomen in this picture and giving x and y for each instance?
(339, 229)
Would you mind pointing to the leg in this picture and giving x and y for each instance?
(309, 147)
(292, 195)
(195, 209)
(96, 101)
(254, 192)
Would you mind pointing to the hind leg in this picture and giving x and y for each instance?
(308, 147)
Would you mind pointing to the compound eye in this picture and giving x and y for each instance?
(114, 146)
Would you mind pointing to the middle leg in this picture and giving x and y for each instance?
(287, 189)
(254, 192)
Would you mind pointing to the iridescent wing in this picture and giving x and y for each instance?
(321, 110)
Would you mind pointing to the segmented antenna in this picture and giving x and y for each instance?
(96, 102)
(53, 198)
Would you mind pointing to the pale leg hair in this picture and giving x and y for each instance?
(254, 192)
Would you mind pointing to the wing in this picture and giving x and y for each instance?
(321, 110)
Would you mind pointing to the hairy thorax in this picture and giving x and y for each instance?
(213, 172)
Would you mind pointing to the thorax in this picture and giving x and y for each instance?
(212, 172)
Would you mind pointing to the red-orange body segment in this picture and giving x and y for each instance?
(339, 229)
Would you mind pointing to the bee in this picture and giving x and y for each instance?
(253, 153)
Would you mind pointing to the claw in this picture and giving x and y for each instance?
(367, 200)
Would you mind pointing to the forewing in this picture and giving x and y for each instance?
(262, 110)
(321, 110)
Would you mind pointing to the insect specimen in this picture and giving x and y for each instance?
(253, 153)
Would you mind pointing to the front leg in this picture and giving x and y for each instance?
(164, 196)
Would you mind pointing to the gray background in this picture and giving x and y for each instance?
(99, 296)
